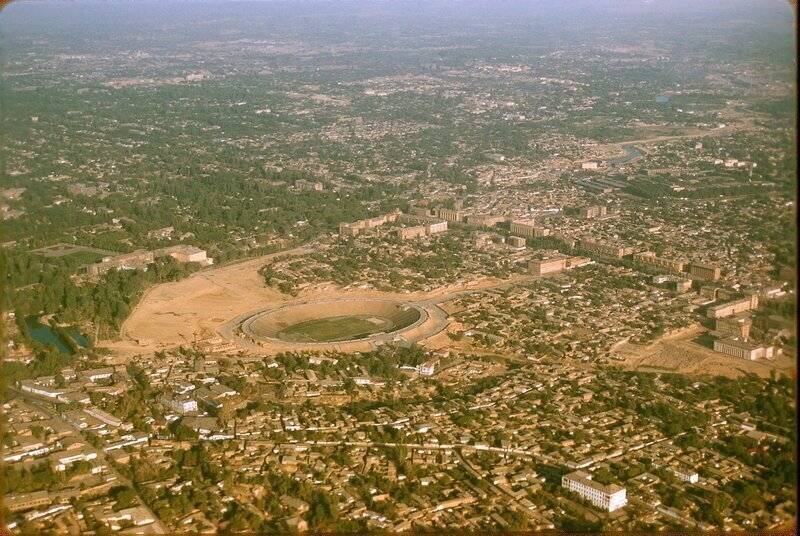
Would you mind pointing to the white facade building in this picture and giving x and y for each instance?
(609, 498)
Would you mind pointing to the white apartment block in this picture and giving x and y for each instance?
(181, 404)
(608, 498)
(686, 475)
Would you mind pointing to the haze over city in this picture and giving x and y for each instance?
(277, 266)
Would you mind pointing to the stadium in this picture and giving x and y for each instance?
(335, 322)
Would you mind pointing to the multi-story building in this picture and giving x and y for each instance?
(686, 474)
(546, 266)
(420, 219)
(604, 249)
(27, 501)
(566, 240)
(607, 497)
(349, 229)
(98, 374)
(428, 367)
(405, 233)
(682, 285)
(595, 211)
(516, 241)
(179, 404)
(448, 214)
(649, 258)
(736, 326)
(589, 165)
(185, 254)
(353, 229)
(704, 271)
(733, 307)
(436, 227)
(137, 260)
(743, 350)
(527, 229)
(484, 220)
(430, 224)
(44, 386)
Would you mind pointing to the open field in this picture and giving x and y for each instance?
(186, 311)
(189, 310)
(334, 329)
(683, 353)
(63, 250)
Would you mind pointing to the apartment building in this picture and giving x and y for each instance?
(437, 227)
(607, 497)
(736, 326)
(604, 249)
(406, 233)
(595, 211)
(180, 404)
(27, 501)
(527, 229)
(546, 266)
(649, 258)
(704, 271)
(516, 241)
(733, 307)
(353, 229)
(484, 220)
(451, 215)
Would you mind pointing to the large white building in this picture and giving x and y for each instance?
(181, 404)
(609, 498)
(744, 350)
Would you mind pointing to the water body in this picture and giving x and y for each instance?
(46, 335)
(632, 151)
(661, 99)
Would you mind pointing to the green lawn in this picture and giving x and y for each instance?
(332, 329)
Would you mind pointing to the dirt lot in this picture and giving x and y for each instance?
(192, 309)
(186, 311)
(176, 313)
(686, 353)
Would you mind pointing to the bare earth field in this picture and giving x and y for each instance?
(172, 314)
(193, 309)
(682, 353)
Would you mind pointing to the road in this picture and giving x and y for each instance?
(46, 408)
(430, 304)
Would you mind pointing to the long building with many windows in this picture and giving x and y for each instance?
(650, 258)
(744, 350)
(604, 249)
(607, 497)
(527, 229)
(704, 271)
(733, 307)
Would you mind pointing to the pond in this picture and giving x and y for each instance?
(46, 335)
(632, 151)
